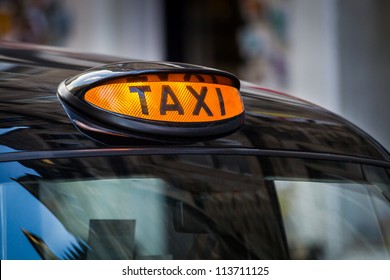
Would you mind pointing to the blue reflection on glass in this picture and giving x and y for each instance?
(21, 210)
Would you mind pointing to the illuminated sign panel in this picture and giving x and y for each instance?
(156, 101)
(173, 100)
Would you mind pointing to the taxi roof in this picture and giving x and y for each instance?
(32, 119)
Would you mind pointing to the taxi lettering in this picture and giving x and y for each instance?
(170, 102)
(174, 105)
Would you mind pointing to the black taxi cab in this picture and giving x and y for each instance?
(102, 158)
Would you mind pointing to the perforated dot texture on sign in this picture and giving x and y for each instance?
(168, 101)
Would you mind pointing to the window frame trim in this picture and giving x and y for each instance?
(104, 152)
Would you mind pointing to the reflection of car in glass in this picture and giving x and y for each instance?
(144, 160)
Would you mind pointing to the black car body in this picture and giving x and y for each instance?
(293, 181)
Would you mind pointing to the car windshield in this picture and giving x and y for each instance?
(194, 207)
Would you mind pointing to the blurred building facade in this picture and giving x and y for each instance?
(334, 53)
(34, 21)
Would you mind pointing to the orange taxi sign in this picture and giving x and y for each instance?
(153, 100)
(173, 98)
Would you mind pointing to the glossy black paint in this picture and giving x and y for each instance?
(33, 119)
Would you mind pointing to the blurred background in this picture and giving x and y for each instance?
(335, 53)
